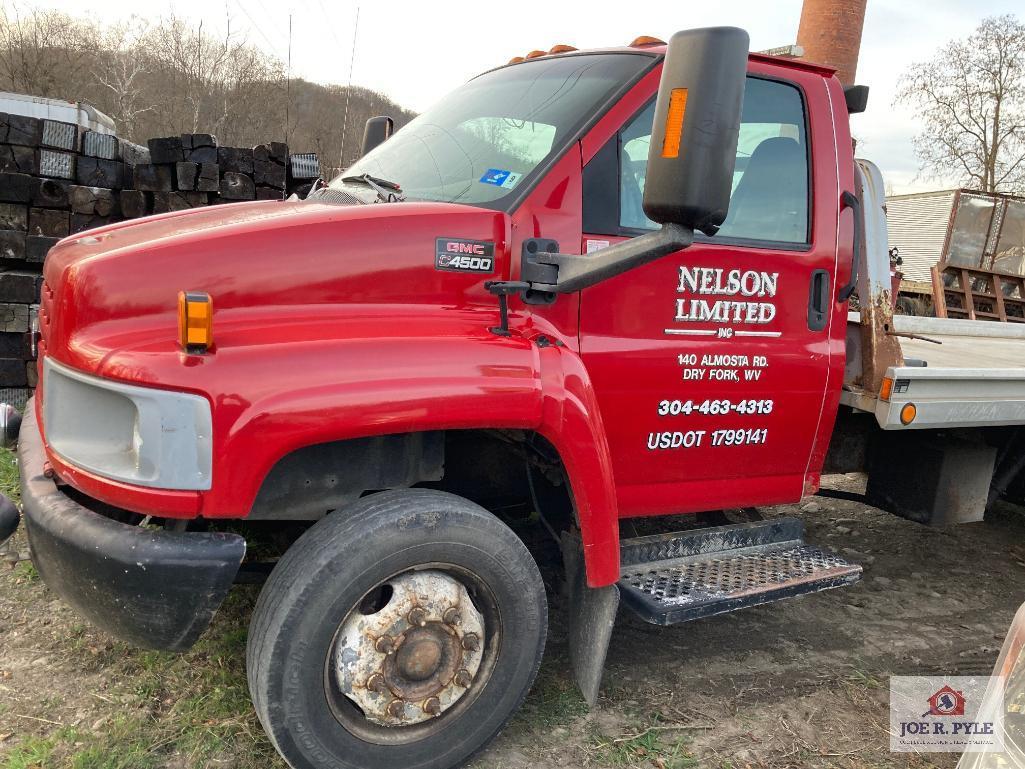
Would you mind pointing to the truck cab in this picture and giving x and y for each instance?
(588, 286)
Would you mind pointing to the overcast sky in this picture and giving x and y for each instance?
(417, 51)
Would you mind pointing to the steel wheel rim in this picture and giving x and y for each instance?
(352, 717)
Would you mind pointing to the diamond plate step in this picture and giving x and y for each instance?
(670, 578)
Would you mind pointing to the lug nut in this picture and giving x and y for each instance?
(463, 679)
(470, 642)
(396, 708)
(385, 644)
(376, 683)
(432, 706)
(451, 616)
(417, 616)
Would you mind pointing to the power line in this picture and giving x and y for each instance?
(330, 24)
(255, 25)
(348, 92)
(268, 15)
(288, 78)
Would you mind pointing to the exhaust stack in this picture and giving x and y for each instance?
(830, 34)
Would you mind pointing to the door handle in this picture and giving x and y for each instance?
(818, 300)
(851, 201)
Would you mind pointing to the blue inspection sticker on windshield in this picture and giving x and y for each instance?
(500, 178)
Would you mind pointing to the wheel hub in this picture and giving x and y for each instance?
(420, 654)
(415, 657)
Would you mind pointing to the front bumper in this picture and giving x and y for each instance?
(152, 588)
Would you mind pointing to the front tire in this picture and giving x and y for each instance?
(330, 693)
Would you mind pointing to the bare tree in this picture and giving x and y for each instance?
(43, 52)
(120, 71)
(251, 98)
(195, 61)
(173, 76)
(971, 98)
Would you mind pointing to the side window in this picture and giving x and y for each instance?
(770, 181)
(633, 159)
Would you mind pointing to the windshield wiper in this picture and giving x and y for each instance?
(368, 179)
(387, 191)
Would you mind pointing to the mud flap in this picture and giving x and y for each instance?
(935, 480)
(592, 615)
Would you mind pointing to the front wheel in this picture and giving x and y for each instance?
(403, 631)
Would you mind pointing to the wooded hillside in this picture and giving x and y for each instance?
(170, 77)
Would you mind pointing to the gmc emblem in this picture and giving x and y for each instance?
(460, 255)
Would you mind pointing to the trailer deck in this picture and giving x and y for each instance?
(957, 373)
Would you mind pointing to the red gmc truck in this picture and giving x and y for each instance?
(589, 286)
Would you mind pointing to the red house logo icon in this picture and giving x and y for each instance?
(946, 702)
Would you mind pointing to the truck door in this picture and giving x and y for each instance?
(711, 364)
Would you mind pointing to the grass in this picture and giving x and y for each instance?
(158, 710)
(863, 679)
(648, 745)
(190, 710)
(554, 700)
(26, 572)
(34, 752)
(9, 483)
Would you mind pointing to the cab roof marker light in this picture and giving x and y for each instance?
(646, 40)
(195, 321)
(561, 48)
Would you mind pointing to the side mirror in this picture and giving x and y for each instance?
(377, 130)
(697, 121)
(689, 177)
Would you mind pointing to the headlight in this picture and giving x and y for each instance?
(1005, 696)
(138, 435)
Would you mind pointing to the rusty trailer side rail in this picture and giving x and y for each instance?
(974, 293)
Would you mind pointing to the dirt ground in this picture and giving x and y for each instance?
(801, 683)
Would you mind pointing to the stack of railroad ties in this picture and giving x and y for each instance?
(58, 180)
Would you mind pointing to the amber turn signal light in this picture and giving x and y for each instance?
(674, 123)
(885, 389)
(195, 321)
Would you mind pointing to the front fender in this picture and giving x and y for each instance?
(398, 384)
(357, 388)
(572, 422)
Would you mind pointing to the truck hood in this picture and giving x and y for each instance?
(120, 281)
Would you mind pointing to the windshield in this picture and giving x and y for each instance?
(482, 141)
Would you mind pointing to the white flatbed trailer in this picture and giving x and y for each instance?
(957, 373)
(931, 408)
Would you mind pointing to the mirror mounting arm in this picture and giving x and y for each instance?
(691, 162)
(554, 273)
